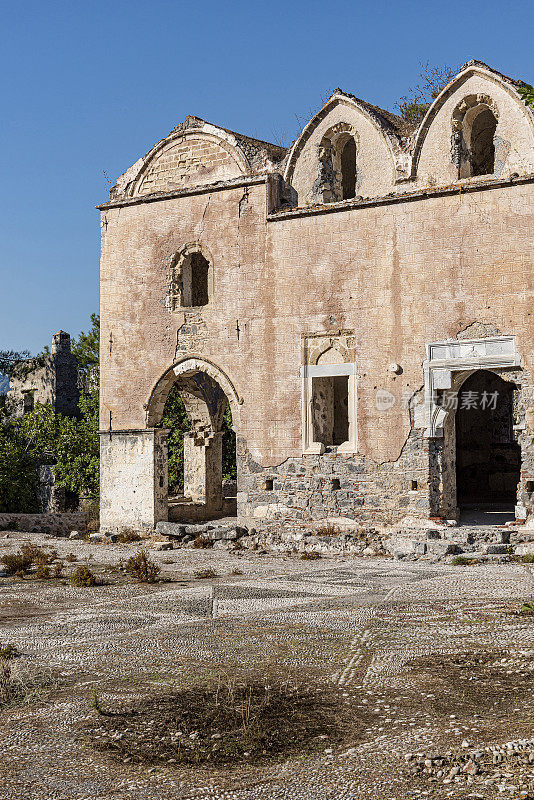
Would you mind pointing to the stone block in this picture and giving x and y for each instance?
(496, 549)
(443, 548)
(174, 529)
(524, 549)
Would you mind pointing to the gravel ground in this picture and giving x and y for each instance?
(434, 658)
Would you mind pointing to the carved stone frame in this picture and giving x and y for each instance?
(313, 347)
(448, 358)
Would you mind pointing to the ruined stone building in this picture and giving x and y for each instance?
(362, 301)
(51, 378)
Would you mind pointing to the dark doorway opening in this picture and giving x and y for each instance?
(488, 459)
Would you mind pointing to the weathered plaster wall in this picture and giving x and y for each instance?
(374, 160)
(129, 495)
(399, 275)
(514, 136)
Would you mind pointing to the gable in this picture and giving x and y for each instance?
(190, 160)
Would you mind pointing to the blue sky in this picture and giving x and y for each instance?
(87, 88)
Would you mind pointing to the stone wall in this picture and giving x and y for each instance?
(53, 524)
(133, 492)
(301, 491)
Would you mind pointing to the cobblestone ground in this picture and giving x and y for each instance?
(403, 642)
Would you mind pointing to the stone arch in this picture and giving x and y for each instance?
(449, 409)
(188, 366)
(309, 163)
(320, 353)
(335, 175)
(205, 391)
(474, 121)
(488, 456)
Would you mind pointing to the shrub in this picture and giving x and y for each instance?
(142, 568)
(16, 563)
(464, 561)
(206, 573)
(527, 558)
(8, 651)
(42, 572)
(328, 530)
(202, 542)
(313, 555)
(127, 535)
(83, 577)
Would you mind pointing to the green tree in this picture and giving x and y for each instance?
(86, 348)
(10, 358)
(414, 105)
(177, 422)
(526, 92)
(24, 443)
(77, 465)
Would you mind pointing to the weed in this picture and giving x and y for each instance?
(206, 573)
(24, 685)
(527, 558)
(29, 555)
(201, 543)
(311, 555)
(328, 530)
(142, 568)
(83, 577)
(128, 535)
(42, 572)
(464, 561)
(58, 569)
(8, 651)
(528, 607)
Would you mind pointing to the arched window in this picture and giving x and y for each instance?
(348, 170)
(191, 279)
(195, 270)
(337, 175)
(473, 143)
(482, 149)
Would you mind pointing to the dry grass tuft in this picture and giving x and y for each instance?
(142, 568)
(225, 722)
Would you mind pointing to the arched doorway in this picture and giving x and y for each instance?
(488, 457)
(199, 415)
